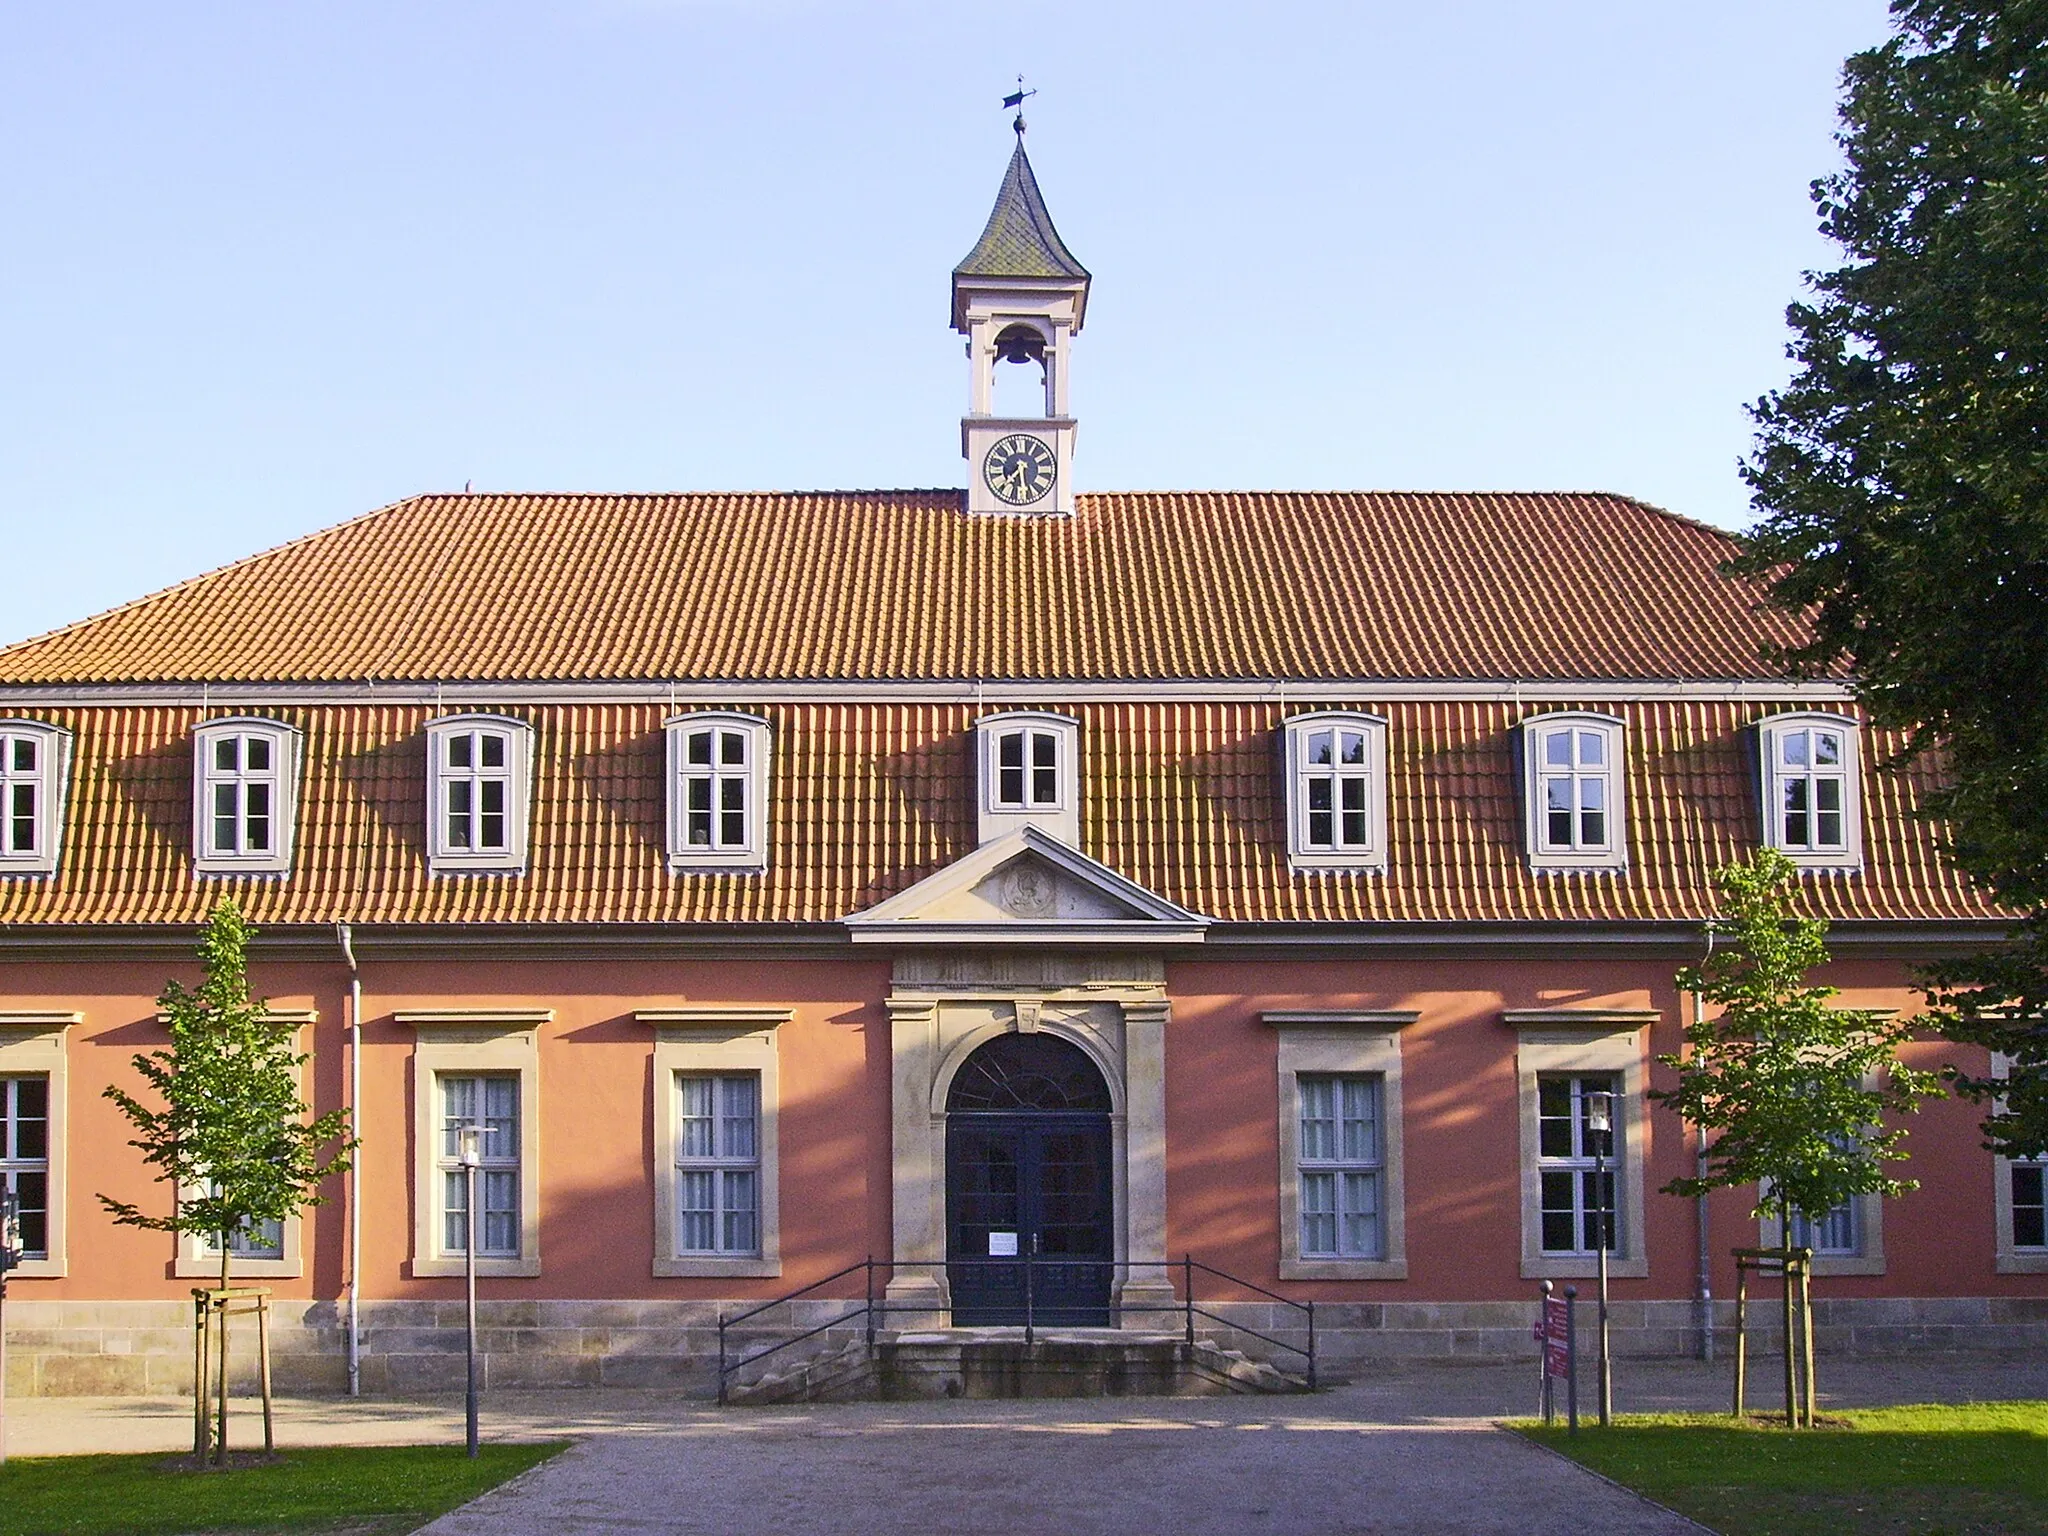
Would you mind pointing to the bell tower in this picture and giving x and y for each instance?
(1019, 297)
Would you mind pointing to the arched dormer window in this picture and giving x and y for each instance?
(245, 777)
(1336, 791)
(1811, 773)
(35, 761)
(718, 791)
(1028, 770)
(1573, 791)
(479, 793)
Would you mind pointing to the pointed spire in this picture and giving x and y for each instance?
(1019, 240)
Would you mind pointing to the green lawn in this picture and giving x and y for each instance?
(1978, 1468)
(357, 1489)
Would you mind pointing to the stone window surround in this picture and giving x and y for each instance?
(53, 768)
(196, 1259)
(1294, 734)
(753, 857)
(1612, 859)
(465, 1041)
(1850, 855)
(1869, 1260)
(1583, 1040)
(444, 859)
(286, 756)
(736, 1038)
(940, 1009)
(32, 1042)
(1342, 1041)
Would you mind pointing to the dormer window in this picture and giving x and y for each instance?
(479, 783)
(1810, 777)
(244, 790)
(33, 761)
(1336, 791)
(1026, 763)
(718, 791)
(1572, 791)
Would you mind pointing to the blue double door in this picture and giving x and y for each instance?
(1030, 1187)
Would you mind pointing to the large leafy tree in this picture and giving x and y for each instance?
(1794, 1094)
(1902, 475)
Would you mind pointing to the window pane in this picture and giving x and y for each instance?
(1827, 749)
(697, 748)
(458, 814)
(1360, 1119)
(224, 840)
(1319, 749)
(732, 748)
(227, 753)
(732, 806)
(1010, 750)
(1318, 1118)
(21, 821)
(2029, 1212)
(1319, 1213)
(1596, 1189)
(459, 751)
(1592, 829)
(1560, 1225)
(739, 1213)
(501, 1117)
(500, 1213)
(1354, 746)
(1010, 786)
(454, 1213)
(491, 822)
(696, 1212)
(258, 826)
(1359, 1236)
(697, 1130)
(1554, 1117)
(737, 1113)
(1827, 794)
(1592, 749)
(1354, 794)
(33, 1192)
(1044, 749)
(1557, 749)
(493, 750)
(1794, 748)
(458, 1108)
(23, 754)
(259, 754)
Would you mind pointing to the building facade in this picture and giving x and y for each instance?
(787, 880)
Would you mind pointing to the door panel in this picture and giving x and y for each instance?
(1032, 1184)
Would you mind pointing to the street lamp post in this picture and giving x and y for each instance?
(470, 1153)
(1600, 1127)
(10, 1255)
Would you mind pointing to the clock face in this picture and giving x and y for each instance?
(1019, 468)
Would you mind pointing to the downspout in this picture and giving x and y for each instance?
(1706, 1259)
(355, 1167)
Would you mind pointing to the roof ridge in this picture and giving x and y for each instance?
(219, 570)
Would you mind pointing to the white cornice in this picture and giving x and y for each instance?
(457, 696)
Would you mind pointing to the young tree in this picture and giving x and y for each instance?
(1780, 1081)
(232, 1137)
(1901, 479)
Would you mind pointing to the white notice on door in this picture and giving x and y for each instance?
(1002, 1245)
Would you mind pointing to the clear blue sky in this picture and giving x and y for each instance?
(271, 265)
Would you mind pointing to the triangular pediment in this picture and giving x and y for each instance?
(1027, 887)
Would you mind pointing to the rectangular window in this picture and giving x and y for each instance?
(1834, 1235)
(241, 793)
(1027, 769)
(491, 1102)
(1574, 1194)
(1341, 1169)
(1574, 775)
(718, 1164)
(2029, 1203)
(717, 774)
(32, 766)
(476, 777)
(1336, 776)
(1812, 789)
(25, 1157)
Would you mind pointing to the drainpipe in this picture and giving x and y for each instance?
(355, 1168)
(1706, 1271)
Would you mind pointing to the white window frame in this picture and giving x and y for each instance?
(1543, 854)
(1061, 815)
(444, 856)
(281, 779)
(1371, 774)
(1341, 1043)
(47, 781)
(732, 1041)
(473, 1042)
(1584, 1042)
(32, 1044)
(2009, 1257)
(198, 1259)
(1866, 1222)
(1774, 775)
(750, 854)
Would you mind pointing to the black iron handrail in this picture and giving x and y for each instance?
(867, 1308)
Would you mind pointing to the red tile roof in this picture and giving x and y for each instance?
(905, 586)
(868, 798)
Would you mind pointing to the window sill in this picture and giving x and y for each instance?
(38, 869)
(1847, 1264)
(707, 1266)
(187, 1268)
(429, 1269)
(1556, 864)
(1337, 863)
(717, 864)
(2008, 1264)
(1343, 1269)
(439, 865)
(37, 1269)
(1575, 1267)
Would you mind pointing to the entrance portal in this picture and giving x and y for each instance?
(1028, 1176)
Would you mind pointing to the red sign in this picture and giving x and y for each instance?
(1551, 1330)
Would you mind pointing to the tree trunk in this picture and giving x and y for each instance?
(220, 1449)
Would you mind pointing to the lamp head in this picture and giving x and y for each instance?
(1600, 1111)
(469, 1141)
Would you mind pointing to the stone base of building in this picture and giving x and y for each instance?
(121, 1348)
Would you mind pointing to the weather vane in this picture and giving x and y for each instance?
(1016, 99)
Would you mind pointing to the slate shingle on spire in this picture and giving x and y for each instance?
(1019, 240)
